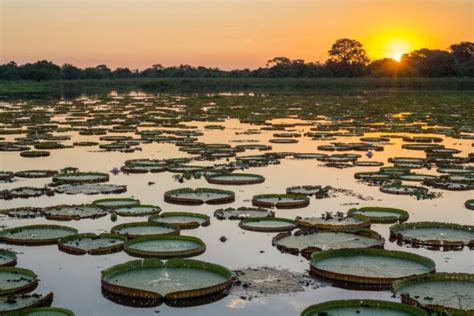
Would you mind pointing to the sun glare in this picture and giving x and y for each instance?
(396, 48)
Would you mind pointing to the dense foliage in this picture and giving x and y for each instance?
(347, 58)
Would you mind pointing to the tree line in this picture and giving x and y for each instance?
(347, 58)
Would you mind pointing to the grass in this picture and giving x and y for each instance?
(282, 85)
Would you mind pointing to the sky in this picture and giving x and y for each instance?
(227, 34)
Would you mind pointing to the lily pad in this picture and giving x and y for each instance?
(92, 244)
(362, 308)
(267, 224)
(73, 212)
(35, 173)
(371, 267)
(280, 200)
(332, 222)
(21, 302)
(115, 203)
(242, 213)
(199, 196)
(35, 234)
(139, 229)
(81, 177)
(48, 311)
(235, 178)
(137, 210)
(17, 280)
(377, 214)
(91, 188)
(185, 220)
(7, 258)
(469, 204)
(443, 293)
(165, 247)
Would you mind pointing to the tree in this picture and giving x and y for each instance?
(122, 73)
(70, 72)
(98, 72)
(386, 67)
(428, 63)
(41, 70)
(463, 54)
(347, 58)
(9, 71)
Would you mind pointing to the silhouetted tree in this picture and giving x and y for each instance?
(41, 70)
(429, 63)
(386, 67)
(9, 71)
(463, 54)
(70, 72)
(122, 73)
(347, 58)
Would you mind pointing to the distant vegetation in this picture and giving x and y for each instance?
(347, 58)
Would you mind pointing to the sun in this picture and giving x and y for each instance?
(395, 48)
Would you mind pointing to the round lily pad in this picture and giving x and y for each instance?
(137, 210)
(23, 193)
(20, 302)
(73, 212)
(185, 220)
(308, 241)
(115, 203)
(331, 222)
(35, 153)
(91, 188)
(92, 244)
(6, 176)
(242, 213)
(16, 280)
(377, 214)
(35, 173)
(267, 224)
(443, 293)
(469, 204)
(177, 279)
(165, 247)
(235, 178)
(48, 311)
(7, 258)
(138, 229)
(371, 267)
(199, 196)
(433, 235)
(400, 189)
(23, 212)
(81, 177)
(35, 234)
(280, 200)
(362, 308)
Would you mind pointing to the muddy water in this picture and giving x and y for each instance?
(75, 280)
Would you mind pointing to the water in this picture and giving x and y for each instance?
(75, 280)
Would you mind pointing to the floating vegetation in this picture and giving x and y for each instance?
(81, 177)
(308, 241)
(48, 311)
(185, 220)
(7, 258)
(35, 153)
(165, 247)
(267, 224)
(433, 235)
(242, 213)
(35, 173)
(439, 293)
(92, 244)
(362, 267)
(469, 204)
(23, 212)
(199, 196)
(16, 280)
(136, 210)
(139, 229)
(116, 203)
(378, 214)
(235, 178)
(177, 279)
(33, 235)
(24, 193)
(362, 307)
(73, 212)
(91, 189)
(144, 166)
(312, 190)
(280, 200)
(331, 220)
(23, 302)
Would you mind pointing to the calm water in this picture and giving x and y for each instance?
(75, 280)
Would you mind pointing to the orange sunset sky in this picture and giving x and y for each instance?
(222, 33)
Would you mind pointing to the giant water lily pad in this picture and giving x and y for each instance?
(7, 257)
(91, 188)
(185, 220)
(16, 280)
(81, 177)
(469, 204)
(433, 235)
(92, 244)
(165, 247)
(199, 196)
(400, 189)
(235, 178)
(138, 229)
(362, 308)
(443, 293)
(23, 212)
(35, 173)
(21, 302)
(312, 190)
(35, 234)
(332, 222)
(176, 279)
(242, 213)
(144, 166)
(23, 193)
(47, 311)
(137, 210)
(368, 267)
(377, 214)
(73, 212)
(267, 224)
(280, 200)
(116, 203)
(307, 242)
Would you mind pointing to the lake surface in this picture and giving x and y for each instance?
(246, 119)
